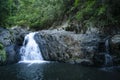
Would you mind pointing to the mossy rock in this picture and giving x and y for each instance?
(1, 46)
(2, 53)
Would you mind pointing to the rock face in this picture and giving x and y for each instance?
(63, 46)
(115, 44)
(19, 34)
(67, 46)
(115, 49)
(12, 39)
(6, 39)
(55, 45)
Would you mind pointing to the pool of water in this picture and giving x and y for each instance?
(55, 71)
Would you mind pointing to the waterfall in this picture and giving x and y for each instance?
(30, 50)
(108, 57)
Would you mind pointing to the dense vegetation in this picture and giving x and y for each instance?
(43, 13)
(98, 12)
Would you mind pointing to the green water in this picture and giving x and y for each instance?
(54, 71)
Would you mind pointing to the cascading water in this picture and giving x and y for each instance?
(108, 57)
(30, 50)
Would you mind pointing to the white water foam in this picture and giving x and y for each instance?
(30, 52)
(108, 57)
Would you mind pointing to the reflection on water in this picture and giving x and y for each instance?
(54, 71)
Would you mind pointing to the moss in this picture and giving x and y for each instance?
(2, 54)
(1, 46)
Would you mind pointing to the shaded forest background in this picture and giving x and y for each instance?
(42, 14)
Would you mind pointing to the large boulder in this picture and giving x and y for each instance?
(7, 39)
(12, 39)
(19, 34)
(67, 46)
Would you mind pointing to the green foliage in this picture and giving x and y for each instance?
(3, 11)
(76, 3)
(6, 10)
(86, 10)
(2, 53)
(101, 10)
(96, 12)
(36, 13)
(42, 14)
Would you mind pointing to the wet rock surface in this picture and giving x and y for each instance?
(67, 46)
(12, 39)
